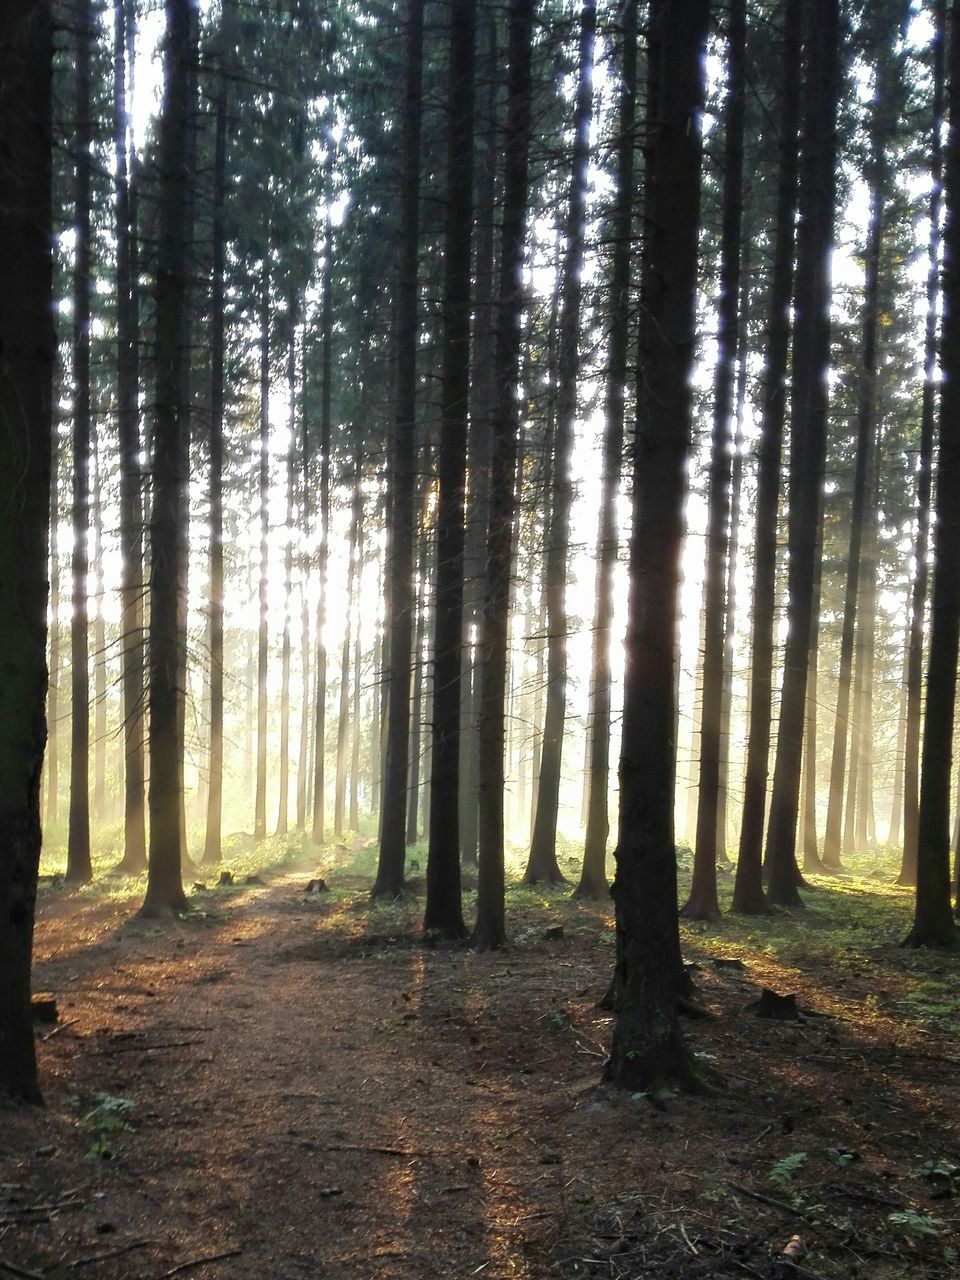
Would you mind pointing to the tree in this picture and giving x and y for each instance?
(165, 894)
(918, 593)
(79, 869)
(811, 351)
(27, 356)
(128, 435)
(263, 594)
(490, 929)
(647, 1043)
(293, 309)
(702, 903)
(885, 112)
(593, 876)
(212, 838)
(389, 881)
(542, 862)
(326, 389)
(443, 913)
(933, 921)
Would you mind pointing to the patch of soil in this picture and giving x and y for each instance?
(316, 1094)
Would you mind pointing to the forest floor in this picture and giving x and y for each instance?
(284, 1085)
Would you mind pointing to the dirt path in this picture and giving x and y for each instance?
(314, 1094)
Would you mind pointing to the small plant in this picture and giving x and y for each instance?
(107, 1117)
(916, 1226)
(943, 1175)
(781, 1174)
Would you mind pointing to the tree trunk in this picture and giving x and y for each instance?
(702, 903)
(482, 401)
(286, 653)
(134, 858)
(748, 893)
(542, 863)
(51, 761)
(490, 929)
(918, 595)
(593, 876)
(733, 561)
(443, 914)
(389, 881)
(354, 818)
(323, 554)
(343, 720)
(808, 781)
(865, 825)
(212, 840)
(79, 869)
(417, 717)
(895, 827)
(165, 894)
(29, 347)
(99, 647)
(647, 1043)
(263, 593)
(933, 921)
(811, 353)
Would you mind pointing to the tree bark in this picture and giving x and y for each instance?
(542, 863)
(417, 717)
(593, 875)
(490, 929)
(212, 840)
(79, 868)
(811, 351)
(134, 858)
(326, 392)
(389, 882)
(343, 718)
(443, 914)
(703, 904)
(648, 1046)
(933, 921)
(748, 893)
(263, 483)
(165, 894)
(286, 652)
(918, 595)
(28, 343)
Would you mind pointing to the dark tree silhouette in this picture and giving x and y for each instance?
(490, 929)
(28, 344)
(647, 1042)
(811, 351)
(400, 622)
(165, 894)
(933, 920)
(443, 913)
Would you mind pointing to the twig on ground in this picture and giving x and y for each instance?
(747, 1270)
(142, 1048)
(692, 1247)
(12, 1269)
(382, 1151)
(199, 1262)
(111, 1253)
(782, 1205)
(851, 1193)
(58, 1028)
